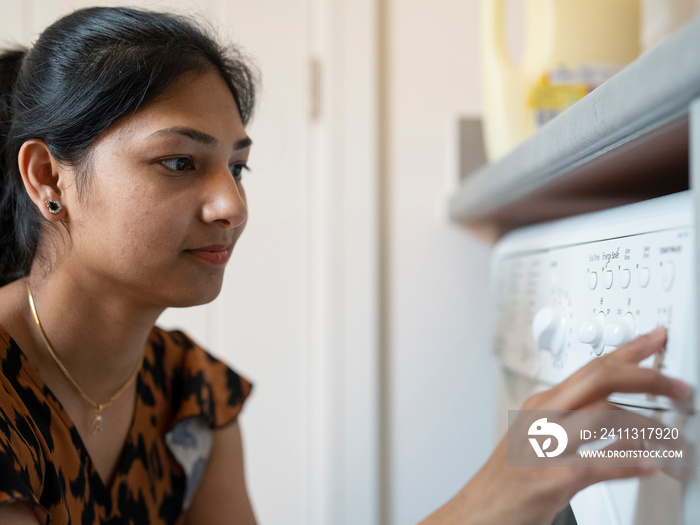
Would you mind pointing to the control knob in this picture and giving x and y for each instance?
(549, 329)
(620, 332)
(591, 333)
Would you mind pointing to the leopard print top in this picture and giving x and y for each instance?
(182, 393)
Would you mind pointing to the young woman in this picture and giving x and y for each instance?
(122, 144)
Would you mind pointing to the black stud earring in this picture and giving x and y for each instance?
(54, 206)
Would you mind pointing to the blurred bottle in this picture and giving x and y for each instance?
(571, 47)
(660, 18)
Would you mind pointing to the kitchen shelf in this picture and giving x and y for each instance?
(626, 141)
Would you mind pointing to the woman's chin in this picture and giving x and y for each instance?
(192, 295)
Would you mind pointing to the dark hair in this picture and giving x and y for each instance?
(85, 72)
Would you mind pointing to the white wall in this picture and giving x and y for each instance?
(440, 369)
(343, 265)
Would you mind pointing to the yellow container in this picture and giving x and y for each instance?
(571, 47)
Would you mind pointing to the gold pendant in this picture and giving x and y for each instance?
(97, 421)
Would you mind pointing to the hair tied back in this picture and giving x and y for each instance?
(85, 72)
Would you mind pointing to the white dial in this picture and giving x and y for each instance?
(591, 333)
(620, 332)
(549, 329)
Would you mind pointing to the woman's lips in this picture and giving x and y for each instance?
(215, 254)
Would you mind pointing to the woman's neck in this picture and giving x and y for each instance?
(97, 331)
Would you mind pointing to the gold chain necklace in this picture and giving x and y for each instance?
(97, 422)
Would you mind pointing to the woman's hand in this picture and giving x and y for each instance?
(500, 493)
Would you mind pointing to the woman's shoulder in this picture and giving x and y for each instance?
(205, 395)
(180, 354)
(200, 384)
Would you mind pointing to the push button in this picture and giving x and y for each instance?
(592, 280)
(625, 278)
(643, 277)
(608, 279)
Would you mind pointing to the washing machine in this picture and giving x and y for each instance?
(570, 291)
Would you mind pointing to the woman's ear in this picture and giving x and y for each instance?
(41, 175)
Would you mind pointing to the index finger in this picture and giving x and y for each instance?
(640, 348)
(596, 383)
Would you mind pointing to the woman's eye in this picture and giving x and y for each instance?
(178, 164)
(237, 170)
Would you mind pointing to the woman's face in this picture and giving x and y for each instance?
(164, 204)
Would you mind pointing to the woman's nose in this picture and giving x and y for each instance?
(225, 203)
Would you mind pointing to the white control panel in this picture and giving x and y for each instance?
(569, 291)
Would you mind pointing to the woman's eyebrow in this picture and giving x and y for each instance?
(242, 143)
(201, 137)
